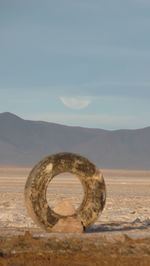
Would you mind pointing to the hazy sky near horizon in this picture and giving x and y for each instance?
(76, 62)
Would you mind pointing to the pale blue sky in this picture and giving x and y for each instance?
(76, 62)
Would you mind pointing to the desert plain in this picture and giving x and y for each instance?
(120, 236)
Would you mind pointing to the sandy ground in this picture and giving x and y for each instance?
(125, 220)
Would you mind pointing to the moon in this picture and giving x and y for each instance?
(76, 102)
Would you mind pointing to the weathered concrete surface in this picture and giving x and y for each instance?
(91, 179)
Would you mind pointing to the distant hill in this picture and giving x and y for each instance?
(25, 142)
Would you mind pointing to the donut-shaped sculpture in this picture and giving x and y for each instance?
(36, 186)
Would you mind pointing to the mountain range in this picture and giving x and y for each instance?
(25, 142)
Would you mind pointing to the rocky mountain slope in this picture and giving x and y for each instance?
(25, 142)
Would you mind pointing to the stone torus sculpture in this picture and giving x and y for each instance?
(36, 186)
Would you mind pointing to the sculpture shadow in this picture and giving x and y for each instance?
(120, 226)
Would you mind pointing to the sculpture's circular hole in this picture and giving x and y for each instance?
(65, 192)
